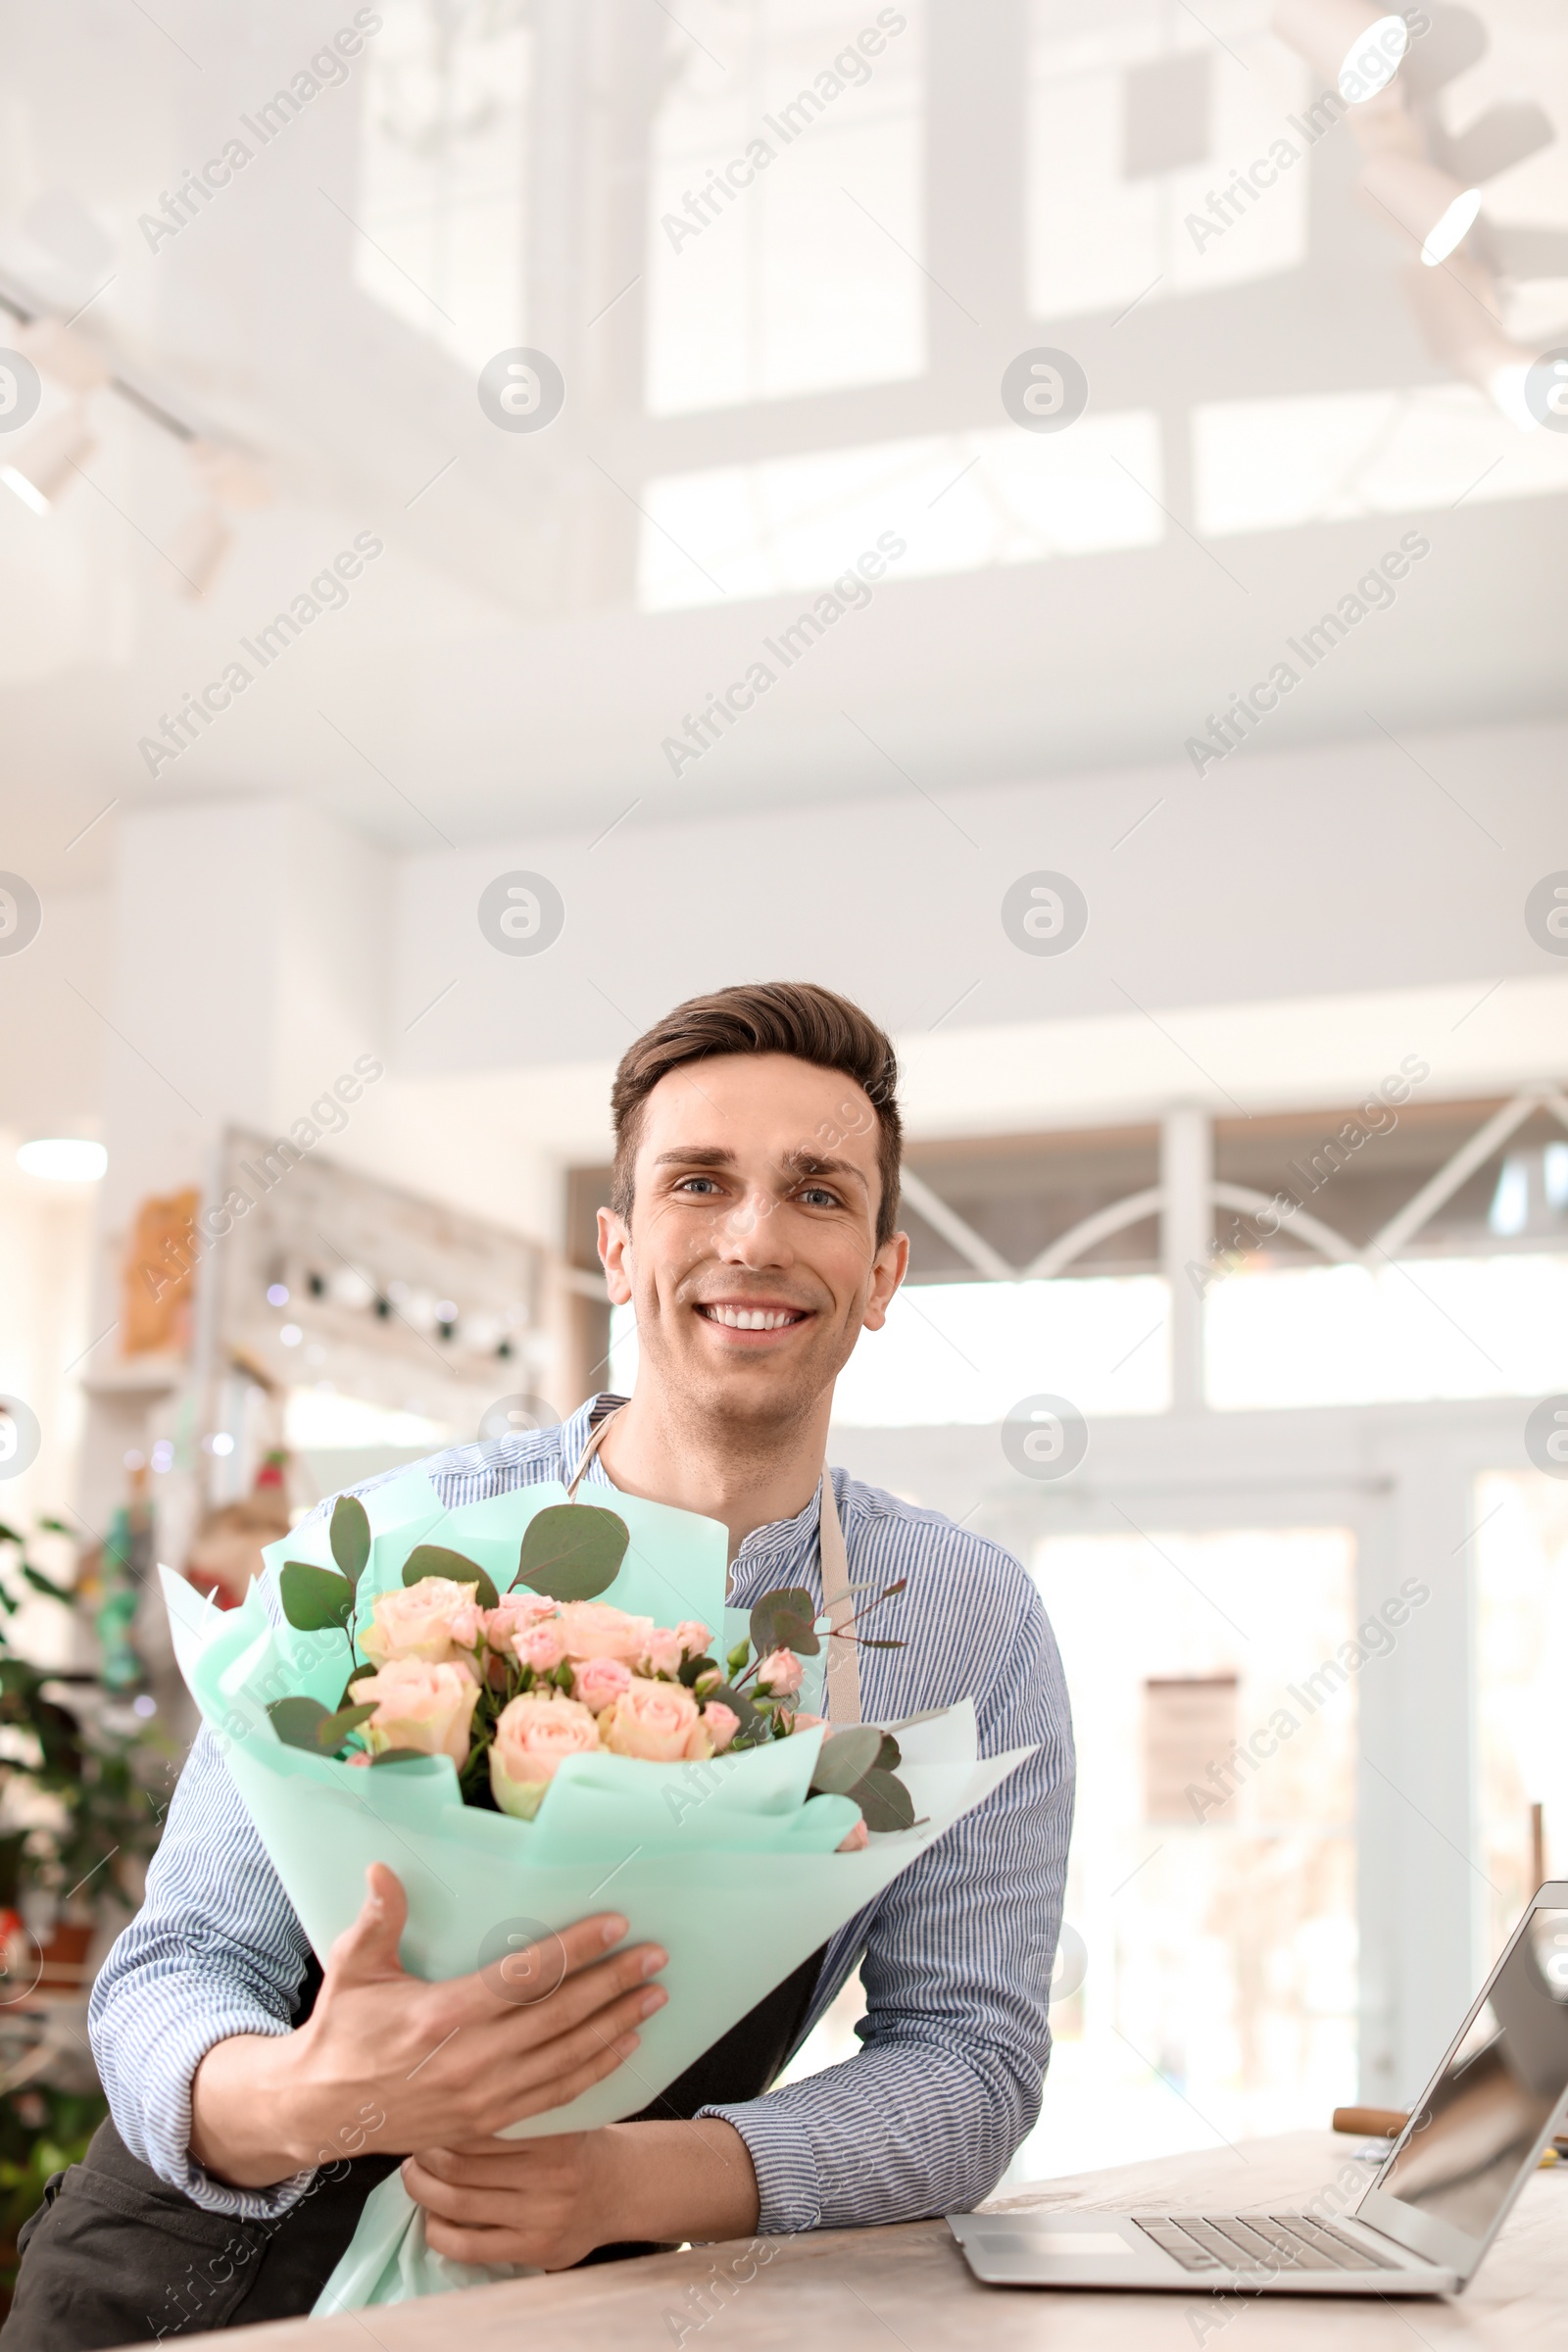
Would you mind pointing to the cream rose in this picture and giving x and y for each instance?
(651, 1720)
(429, 1621)
(534, 1736)
(592, 1629)
(420, 1705)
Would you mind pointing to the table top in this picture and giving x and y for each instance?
(908, 2286)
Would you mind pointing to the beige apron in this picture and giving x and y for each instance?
(842, 1680)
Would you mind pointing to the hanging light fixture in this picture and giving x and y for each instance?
(48, 461)
(1354, 44)
(1432, 207)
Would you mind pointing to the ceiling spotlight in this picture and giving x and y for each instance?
(1356, 45)
(48, 462)
(63, 1159)
(1438, 212)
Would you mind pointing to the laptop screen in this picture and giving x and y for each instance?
(1479, 2126)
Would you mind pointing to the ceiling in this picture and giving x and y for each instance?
(496, 668)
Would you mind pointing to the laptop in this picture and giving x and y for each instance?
(1422, 2225)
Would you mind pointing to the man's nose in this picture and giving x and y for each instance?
(751, 1231)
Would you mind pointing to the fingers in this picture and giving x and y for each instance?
(483, 2246)
(516, 2102)
(462, 2202)
(531, 1974)
(590, 1994)
(368, 1949)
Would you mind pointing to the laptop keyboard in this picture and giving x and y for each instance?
(1225, 2241)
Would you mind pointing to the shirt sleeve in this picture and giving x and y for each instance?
(215, 1950)
(957, 1970)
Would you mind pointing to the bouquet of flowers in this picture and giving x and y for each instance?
(510, 1685)
(552, 1701)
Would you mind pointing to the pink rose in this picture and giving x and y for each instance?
(699, 1746)
(722, 1723)
(858, 1838)
(806, 1723)
(664, 1652)
(420, 1705)
(651, 1720)
(781, 1673)
(534, 1736)
(592, 1629)
(540, 1648)
(429, 1620)
(600, 1681)
(515, 1615)
(694, 1637)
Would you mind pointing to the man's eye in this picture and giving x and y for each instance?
(693, 1184)
(818, 1195)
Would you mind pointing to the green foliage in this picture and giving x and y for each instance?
(306, 1722)
(98, 1775)
(350, 1537)
(846, 1758)
(314, 1600)
(572, 1551)
(433, 1559)
(785, 1620)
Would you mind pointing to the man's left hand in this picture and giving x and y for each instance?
(549, 2202)
(536, 2201)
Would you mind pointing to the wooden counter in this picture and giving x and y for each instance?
(909, 2286)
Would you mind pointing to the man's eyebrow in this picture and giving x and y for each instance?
(817, 1163)
(800, 1163)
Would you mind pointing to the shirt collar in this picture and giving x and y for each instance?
(781, 1540)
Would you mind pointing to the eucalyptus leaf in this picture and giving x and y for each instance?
(297, 1722)
(889, 1756)
(333, 1730)
(433, 1559)
(846, 1758)
(572, 1550)
(785, 1619)
(400, 1755)
(691, 1668)
(884, 1801)
(314, 1598)
(351, 1537)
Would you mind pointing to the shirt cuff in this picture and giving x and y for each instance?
(164, 2133)
(787, 2187)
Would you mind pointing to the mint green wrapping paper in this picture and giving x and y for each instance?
(656, 1842)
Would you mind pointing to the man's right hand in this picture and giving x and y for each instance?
(388, 2063)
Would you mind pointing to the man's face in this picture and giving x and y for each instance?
(751, 1257)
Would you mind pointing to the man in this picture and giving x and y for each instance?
(754, 1231)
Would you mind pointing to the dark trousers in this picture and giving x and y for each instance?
(116, 2256)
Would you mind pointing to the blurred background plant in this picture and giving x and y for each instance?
(82, 1761)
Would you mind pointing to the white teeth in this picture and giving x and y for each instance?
(751, 1318)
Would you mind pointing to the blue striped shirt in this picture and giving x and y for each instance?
(956, 1955)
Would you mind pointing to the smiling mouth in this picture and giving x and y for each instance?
(751, 1318)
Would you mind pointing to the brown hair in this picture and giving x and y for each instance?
(769, 1017)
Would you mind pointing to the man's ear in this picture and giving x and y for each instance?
(615, 1255)
(888, 1269)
